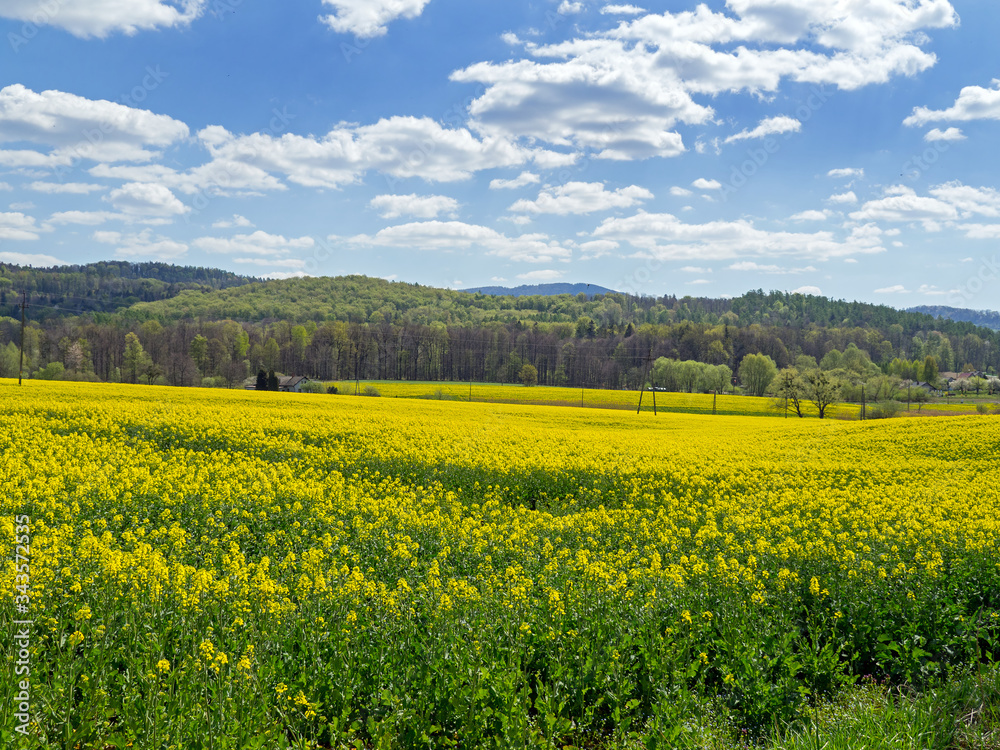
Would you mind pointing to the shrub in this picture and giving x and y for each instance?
(332, 390)
(884, 410)
(51, 371)
(312, 387)
(370, 390)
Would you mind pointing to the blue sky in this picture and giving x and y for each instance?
(844, 148)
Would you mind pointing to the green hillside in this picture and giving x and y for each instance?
(359, 299)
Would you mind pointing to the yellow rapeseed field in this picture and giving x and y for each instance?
(237, 569)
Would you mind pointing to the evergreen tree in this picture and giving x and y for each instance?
(272, 381)
(261, 380)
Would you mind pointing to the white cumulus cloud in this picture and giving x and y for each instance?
(419, 206)
(17, 226)
(258, 243)
(622, 10)
(702, 184)
(146, 201)
(770, 126)
(546, 275)
(581, 198)
(665, 237)
(973, 103)
(98, 18)
(143, 244)
(525, 178)
(894, 289)
(68, 127)
(369, 18)
(950, 134)
(459, 236)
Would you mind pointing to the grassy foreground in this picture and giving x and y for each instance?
(233, 569)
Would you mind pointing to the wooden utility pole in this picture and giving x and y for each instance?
(20, 367)
(643, 386)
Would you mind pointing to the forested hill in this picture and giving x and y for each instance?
(209, 327)
(984, 318)
(529, 290)
(361, 299)
(105, 286)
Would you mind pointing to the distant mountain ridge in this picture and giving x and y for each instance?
(542, 290)
(985, 318)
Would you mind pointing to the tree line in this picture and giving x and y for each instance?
(226, 352)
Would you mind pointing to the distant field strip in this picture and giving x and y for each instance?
(688, 403)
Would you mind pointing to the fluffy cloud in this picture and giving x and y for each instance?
(259, 243)
(702, 184)
(73, 188)
(84, 218)
(846, 172)
(98, 18)
(950, 134)
(368, 18)
(17, 226)
(894, 289)
(29, 259)
(622, 10)
(973, 103)
(219, 176)
(525, 178)
(456, 235)
(665, 237)
(847, 198)
(621, 93)
(982, 231)
(143, 245)
(810, 215)
(906, 205)
(813, 290)
(236, 221)
(581, 198)
(536, 276)
(946, 203)
(401, 147)
(770, 126)
(71, 127)
(146, 201)
(420, 206)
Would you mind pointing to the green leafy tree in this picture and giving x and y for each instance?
(930, 371)
(791, 390)
(529, 375)
(134, 360)
(9, 356)
(757, 371)
(199, 351)
(822, 390)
